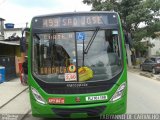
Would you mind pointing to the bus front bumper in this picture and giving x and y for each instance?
(79, 111)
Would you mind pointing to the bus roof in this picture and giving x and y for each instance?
(76, 13)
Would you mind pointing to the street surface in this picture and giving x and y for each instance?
(143, 94)
(143, 97)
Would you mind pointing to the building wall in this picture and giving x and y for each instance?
(9, 32)
(154, 50)
(10, 50)
(10, 69)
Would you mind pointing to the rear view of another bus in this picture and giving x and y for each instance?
(77, 65)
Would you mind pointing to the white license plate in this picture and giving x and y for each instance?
(95, 98)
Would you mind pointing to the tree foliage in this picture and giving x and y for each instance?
(134, 14)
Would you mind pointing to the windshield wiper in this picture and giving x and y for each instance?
(85, 51)
(91, 40)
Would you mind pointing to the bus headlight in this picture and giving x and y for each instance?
(118, 94)
(37, 96)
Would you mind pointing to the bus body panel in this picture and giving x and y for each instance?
(109, 108)
(70, 98)
(115, 108)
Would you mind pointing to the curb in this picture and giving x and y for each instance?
(158, 78)
(25, 115)
(146, 75)
(13, 98)
(150, 76)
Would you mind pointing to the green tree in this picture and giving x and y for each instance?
(133, 13)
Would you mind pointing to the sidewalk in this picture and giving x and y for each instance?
(136, 69)
(9, 90)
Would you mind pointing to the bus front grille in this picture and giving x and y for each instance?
(79, 90)
(91, 111)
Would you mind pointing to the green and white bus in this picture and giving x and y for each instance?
(77, 65)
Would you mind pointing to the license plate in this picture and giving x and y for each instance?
(56, 100)
(95, 98)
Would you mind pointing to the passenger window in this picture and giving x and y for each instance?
(153, 59)
(146, 61)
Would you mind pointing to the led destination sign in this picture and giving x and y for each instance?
(82, 20)
(73, 21)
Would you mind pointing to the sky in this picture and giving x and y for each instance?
(21, 12)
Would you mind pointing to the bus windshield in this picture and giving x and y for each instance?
(85, 56)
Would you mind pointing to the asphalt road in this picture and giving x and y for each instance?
(143, 96)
